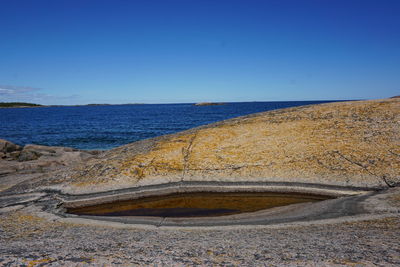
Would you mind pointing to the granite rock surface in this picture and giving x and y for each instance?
(344, 144)
(353, 143)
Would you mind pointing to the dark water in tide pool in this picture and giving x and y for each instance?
(106, 127)
(196, 204)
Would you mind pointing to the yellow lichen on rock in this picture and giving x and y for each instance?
(344, 143)
(166, 158)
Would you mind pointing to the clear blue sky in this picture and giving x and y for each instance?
(167, 51)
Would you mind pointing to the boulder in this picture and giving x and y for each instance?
(34, 152)
(51, 157)
(27, 155)
(7, 146)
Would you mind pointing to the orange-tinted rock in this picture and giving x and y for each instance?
(344, 143)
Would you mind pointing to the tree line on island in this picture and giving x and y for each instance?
(18, 105)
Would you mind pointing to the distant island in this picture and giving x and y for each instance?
(18, 105)
(32, 105)
(208, 104)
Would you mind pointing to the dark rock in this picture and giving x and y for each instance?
(27, 155)
(15, 154)
(7, 147)
(94, 152)
(34, 152)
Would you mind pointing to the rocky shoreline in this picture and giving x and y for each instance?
(346, 150)
(18, 164)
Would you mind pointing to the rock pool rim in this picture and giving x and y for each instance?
(330, 191)
(78, 200)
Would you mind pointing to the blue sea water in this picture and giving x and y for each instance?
(106, 127)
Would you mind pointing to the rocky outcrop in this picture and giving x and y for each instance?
(19, 164)
(348, 144)
(343, 143)
(9, 150)
(66, 155)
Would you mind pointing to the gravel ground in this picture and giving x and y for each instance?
(38, 242)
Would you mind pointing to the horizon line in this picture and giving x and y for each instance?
(172, 103)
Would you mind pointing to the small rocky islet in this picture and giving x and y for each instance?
(349, 151)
